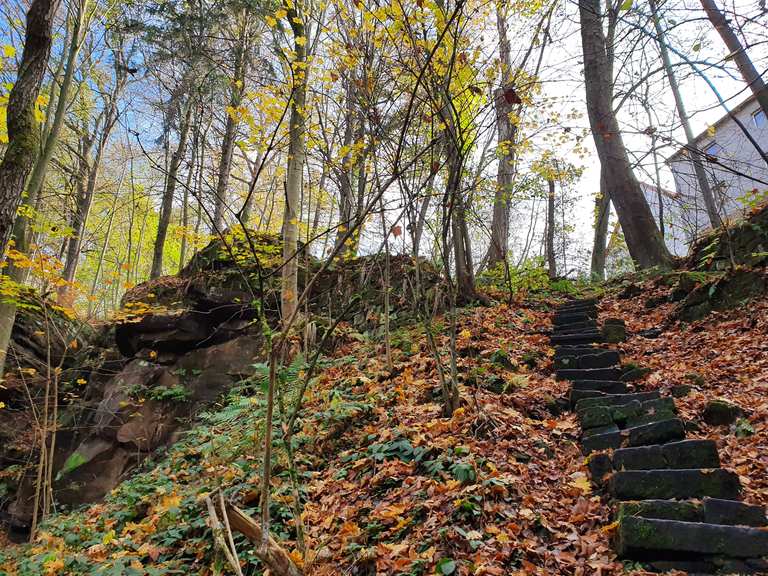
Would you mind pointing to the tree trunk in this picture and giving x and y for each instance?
(738, 53)
(502, 201)
(295, 169)
(170, 188)
(551, 262)
(646, 246)
(23, 139)
(51, 137)
(230, 131)
(698, 167)
(462, 250)
(602, 215)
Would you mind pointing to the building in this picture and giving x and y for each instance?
(737, 175)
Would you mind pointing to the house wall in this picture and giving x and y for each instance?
(688, 216)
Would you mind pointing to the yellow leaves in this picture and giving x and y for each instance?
(610, 527)
(82, 381)
(153, 354)
(280, 14)
(169, 502)
(109, 537)
(465, 334)
(271, 22)
(300, 40)
(53, 566)
(582, 483)
(9, 51)
(2, 405)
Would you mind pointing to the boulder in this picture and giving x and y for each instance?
(721, 412)
(614, 330)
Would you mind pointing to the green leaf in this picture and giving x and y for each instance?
(74, 461)
(697, 47)
(446, 566)
(626, 5)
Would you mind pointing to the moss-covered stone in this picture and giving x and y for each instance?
(721, 412)
(681, 484)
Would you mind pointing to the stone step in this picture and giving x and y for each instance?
(581, 338)
(606, 386)
(655, 433)
(678, 484)
(628, 415)
(604, 359)
(685, 454)
(588, 374)
(574, 327)
(616, 399)
(607, 429)
(559, 319)
(710, 565)
(639, 537)
(575, 306)
(708, 510)
(576, 351)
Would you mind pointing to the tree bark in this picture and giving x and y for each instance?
(230, 131)
(295, 169)
(646, 246)
(698, 167)
(602, 215)
(738, 53)
(551, 261)
(502, 201)
(23, 139)
(170, 189)
(273, 556)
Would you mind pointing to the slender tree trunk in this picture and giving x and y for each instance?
(170, 189)
(37, 177)
(462, 250)
(295, 169)
(602, 215)
(551, 261)
(230, 131)
(698, 167)
(738, 53)
(346, 172)
(646, 246)
(502, 201)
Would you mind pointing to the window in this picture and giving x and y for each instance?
(758, 117)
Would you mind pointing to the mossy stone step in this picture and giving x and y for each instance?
(577, 350)
(599, 399)
(604, 359)
(708, 510)
(678, 484)
(611, 373)
(711, 565)
(582, 338)
(574, 327)
(558, 319)
(637, 537)
(686, 454)
(654, 433)
(606, 386)
(628, 415)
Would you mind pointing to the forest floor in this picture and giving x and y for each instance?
(391, 487)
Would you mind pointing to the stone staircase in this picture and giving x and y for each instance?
(674, 506)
